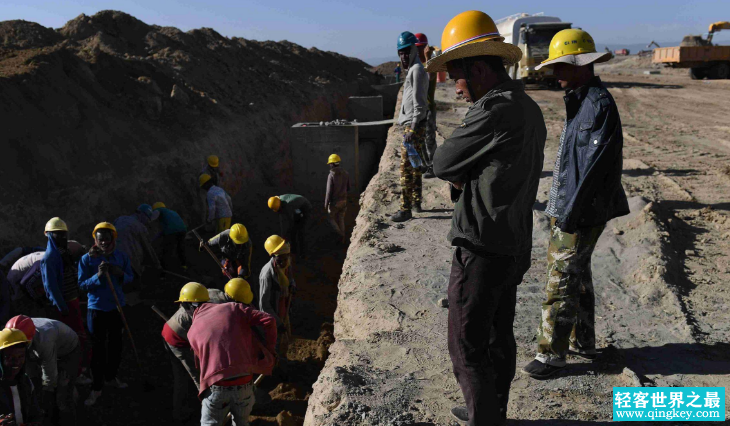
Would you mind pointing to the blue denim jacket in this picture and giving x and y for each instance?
(588, 190)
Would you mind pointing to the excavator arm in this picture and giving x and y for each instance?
(717, 27)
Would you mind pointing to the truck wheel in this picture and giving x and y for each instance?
(697, 73)
(720, 71)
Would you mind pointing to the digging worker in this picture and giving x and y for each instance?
(134, 238)
(229, 353)
(293, 210)
(54, 349)
(175, 335)
(236, 248)
(18, 404)
(424, 54)
(277, 287)
(335, 200)
(413, 112)
(173, 235)
(220, 206)
(104, 263)
(493, 162)
(585, 194)
(211, 169)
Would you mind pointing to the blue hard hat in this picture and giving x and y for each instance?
(406, 39)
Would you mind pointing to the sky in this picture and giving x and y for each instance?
(369, 29)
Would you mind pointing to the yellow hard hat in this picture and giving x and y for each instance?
(11, 337)
(213, 161)
(158, 205)
(105, 225)
(334, 158)
(203, 179)
(472, 33)
(275, 203)
(239, 290)
(276, 245)
(55, 224)
(239, 234)
(193, 292)
(574, 47)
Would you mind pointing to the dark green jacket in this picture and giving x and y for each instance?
(497, 153)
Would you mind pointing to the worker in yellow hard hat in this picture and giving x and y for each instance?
(294, 212)
(19, 404)
(335, 200)
(103, 267)
(236, 249)
(175, 335)
(211, 169)
(586, 193)
(493, 162)
(276, 288)
(220, 206)
(173, 235)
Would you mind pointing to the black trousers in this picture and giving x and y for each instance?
(106, 330)
(295, 236)
(173, 245)
(482, 347)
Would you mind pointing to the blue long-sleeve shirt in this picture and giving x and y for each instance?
(100, 296)
(52, 273)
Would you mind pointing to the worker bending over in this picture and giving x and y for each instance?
(220, 206)
(585, 194)
(54, 355)
(18, 404)
(174, 231)
(103, 263)
(229, 353)
(294, 211)
(335, 201)
(277, 286)
(236, 250)
(493, 162)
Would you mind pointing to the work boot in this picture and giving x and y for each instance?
(460, 413)
(417, 209)
(587, 354)
(540, 370)
(429, 173)
(402, 216)
(93, 396)
(116, 383)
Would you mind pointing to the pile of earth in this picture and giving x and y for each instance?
(386, 68)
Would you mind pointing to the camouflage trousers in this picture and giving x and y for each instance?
(568, 318)
(410, 178)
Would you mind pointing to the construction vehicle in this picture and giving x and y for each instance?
(698, 54)
(532, 34)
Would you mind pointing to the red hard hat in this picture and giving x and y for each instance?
(422, 39)
(24, 324)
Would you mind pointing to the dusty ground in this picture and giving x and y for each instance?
(661, 274)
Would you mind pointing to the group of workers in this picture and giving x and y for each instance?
(219, 347)
(493, 162)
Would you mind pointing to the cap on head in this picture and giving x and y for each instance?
(194, 293)
(213, 161)
(334, 158)
(275, 203)
(158, 205)
(239, 290)
(422, 39)
(204, 178)
(406, 39)
(56, 224)
(11, 337)
(24, 324)
(239, 234)
(105, 225)
(276, 245)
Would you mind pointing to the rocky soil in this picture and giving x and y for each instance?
(661, 274)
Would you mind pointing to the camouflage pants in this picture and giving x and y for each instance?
(568, 313)
(410, 178)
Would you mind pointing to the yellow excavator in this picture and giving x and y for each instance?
(698, 54)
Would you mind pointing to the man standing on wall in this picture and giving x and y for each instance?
(413, 112)
(493, 161)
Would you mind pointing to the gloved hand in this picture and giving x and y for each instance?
(408, 136)
(103, 269)
(201, 246)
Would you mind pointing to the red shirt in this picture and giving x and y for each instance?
(172, 338)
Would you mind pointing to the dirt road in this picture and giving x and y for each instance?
(661, 274)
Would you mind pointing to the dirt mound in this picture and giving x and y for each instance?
(21, 34)
(385, 68)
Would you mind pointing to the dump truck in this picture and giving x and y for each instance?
(698, 54)
(532, 34)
